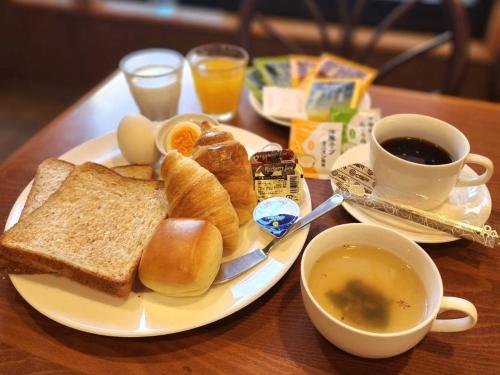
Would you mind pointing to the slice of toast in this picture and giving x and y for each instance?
(142, 172)
(49, 176)
(92, 230)
(52, 172)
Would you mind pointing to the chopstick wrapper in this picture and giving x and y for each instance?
(356, 183)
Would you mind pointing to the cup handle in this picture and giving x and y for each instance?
(458, 324)
(483, 178)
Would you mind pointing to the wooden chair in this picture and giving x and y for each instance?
(350, 17)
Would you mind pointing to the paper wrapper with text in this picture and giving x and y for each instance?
(356, 183)
(275, 70)
(300, 67)
(336, 67)
(316, 145)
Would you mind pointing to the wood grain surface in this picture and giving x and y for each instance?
(273, 334)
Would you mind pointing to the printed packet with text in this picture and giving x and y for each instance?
(316, 145)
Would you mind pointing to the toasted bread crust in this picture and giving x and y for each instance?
(41, 188)
(22, 242)
(38, 261)
(50, 175)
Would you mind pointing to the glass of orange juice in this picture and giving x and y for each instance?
(218, 73)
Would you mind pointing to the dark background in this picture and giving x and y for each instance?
(425, 17)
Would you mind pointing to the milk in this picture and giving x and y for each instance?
(156, 89)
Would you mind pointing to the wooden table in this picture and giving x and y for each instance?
(273, 334)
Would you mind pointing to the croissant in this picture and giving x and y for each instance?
(217, 151)
(194, 192)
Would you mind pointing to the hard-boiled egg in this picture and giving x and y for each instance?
(182, 137)
(136, 139)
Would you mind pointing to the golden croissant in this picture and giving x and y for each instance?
(217, 151)
(194, 192)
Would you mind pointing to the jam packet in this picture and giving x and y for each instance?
(300, 67)
(317, 145)
(275, 70)
(277, 174)
(324, 94)
(357, 125)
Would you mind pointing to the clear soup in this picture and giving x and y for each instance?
(368, 288)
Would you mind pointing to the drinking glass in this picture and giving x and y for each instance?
(154, 78)
(218, 73)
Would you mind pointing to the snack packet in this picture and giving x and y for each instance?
(274, 70)
(255, 82)
(324, 94)
(300, 67)
(335, 67)
(357, 124)
(283, 102)
(277, 174)
(317, 145)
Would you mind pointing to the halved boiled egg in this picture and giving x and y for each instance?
(182, 137)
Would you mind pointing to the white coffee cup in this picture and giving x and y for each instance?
(419, 185)
(381, 345)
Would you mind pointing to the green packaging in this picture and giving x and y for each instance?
(255, 82)
(356, 125)
(275, 70)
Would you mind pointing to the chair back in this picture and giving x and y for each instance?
(457, 34)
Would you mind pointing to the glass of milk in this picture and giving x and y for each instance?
(154, 78)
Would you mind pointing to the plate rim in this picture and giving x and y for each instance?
(71, 323)
(284, 122)
(426, 238)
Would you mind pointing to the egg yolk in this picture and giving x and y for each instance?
(183, 140)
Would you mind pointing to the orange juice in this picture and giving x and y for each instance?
(218, 82)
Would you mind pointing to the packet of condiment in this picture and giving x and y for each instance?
(283, 102)
(335, 67)
(324, 94)
(274, 70)
(276, 215)
(255, 82)
(317, 145)
(300, 67)
(277, 174)
(357, 124)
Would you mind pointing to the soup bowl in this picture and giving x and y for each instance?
(381, 345)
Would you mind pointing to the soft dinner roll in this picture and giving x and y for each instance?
(182, 258)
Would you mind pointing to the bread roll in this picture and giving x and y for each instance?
(182, 258)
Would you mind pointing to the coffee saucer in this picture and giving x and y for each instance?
(469, 204)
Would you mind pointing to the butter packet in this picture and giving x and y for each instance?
(335, 67)
(255, 82)
(323, 94)
(317, 145)
(300, 67)
(357, 125)
(277, 174)
(274, 70)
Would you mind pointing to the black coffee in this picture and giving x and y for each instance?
(417, 150)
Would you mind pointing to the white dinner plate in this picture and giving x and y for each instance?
(144, 312)
(366, 103)
(470, 204)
